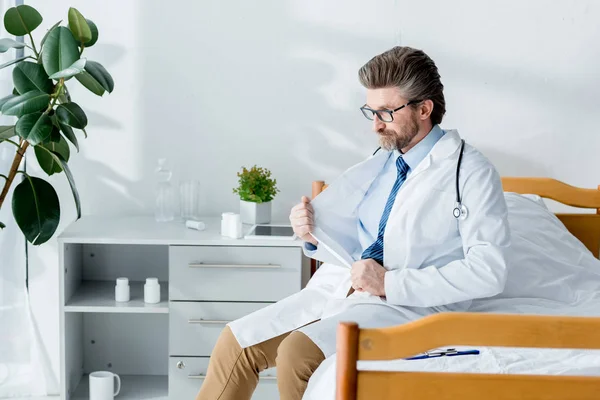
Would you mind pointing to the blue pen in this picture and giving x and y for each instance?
(443, 353)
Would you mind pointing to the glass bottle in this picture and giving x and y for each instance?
(165, 197)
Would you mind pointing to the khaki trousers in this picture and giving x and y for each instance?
(233, 372)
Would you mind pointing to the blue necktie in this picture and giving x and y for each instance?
(375, 251)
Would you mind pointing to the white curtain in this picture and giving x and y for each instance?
(21, 365)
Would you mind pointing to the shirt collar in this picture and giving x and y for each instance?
(419, 151)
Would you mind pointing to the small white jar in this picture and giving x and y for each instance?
(152, 291)
(122, 290)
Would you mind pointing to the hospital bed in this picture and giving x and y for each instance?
(489, 329)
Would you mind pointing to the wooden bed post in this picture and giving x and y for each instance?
(598, 209)
(346, 357)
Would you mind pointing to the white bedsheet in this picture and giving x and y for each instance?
(550, 273)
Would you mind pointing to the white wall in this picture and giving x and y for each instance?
(215, 85)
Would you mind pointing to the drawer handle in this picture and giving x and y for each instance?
(207, 321)
(203, 265)
(202, 376)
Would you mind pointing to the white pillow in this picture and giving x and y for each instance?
(545, 260)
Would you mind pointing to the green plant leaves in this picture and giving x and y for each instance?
(36, 209)
(60, 50)
(69, 176)
(47, 33)
(35, 128)
(28, 76)
(6, 132)
(7, 44)
(5, 99)
(59, 162)
(90, 83)
(256, 185)
(69, 134)
(61, 148)
(2, 226)
(96, 78)
(71, 114)
(21, 20)
(94, 30)
(48, 161)
(79, 26)
(26, 103)
(72, 70)
(46, 154)
(11, 62)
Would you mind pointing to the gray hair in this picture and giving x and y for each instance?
(411, 71)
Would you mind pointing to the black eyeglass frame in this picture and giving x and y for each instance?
(389, 112)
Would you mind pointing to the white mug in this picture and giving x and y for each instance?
(102, 385)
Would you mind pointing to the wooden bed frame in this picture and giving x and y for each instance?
(478, 329)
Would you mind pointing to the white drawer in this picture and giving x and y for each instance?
(227, 273)
(194, 327)
(186, 375)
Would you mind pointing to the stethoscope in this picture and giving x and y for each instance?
(459, 211)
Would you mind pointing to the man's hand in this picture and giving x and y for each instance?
(302, 220)
(368, 276)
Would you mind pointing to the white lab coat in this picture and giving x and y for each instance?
(434, 262)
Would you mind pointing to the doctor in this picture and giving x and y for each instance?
(393, 216)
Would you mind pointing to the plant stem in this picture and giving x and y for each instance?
(10, 141)
(61, 82)
(13, 170)
(82, 47)
(4, 176)
(33, 46)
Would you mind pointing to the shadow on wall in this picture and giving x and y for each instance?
(257, 87)
(511, 165)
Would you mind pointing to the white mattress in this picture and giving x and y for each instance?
(550, 273)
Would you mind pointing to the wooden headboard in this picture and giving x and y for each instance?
(585, 227)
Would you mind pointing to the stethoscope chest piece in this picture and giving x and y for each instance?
(460, 211)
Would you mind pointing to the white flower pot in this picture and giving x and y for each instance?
(255, 213)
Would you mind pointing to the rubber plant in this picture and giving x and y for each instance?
(47, 118)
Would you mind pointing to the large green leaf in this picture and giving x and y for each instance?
(79, 26)
(36, 209)
(94, 30)
(60, 50)
(6, 132)
(54, 135)
(28, 76)
(47, 33)
(72, 70)
(71, 114)
(7, 44)
(35, 128)
(26, 103)
(48, 162)
(100, 74)
(90, 83)
(21, 20)
(5, 99)
(69, 134)
(61, 148)
(69, 176)
(11, 62)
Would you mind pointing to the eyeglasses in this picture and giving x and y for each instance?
(384, 115)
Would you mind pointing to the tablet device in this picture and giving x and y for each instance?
(282, 232)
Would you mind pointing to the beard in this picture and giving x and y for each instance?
(390, 140)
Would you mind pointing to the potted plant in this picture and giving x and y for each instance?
(256, 190)
(46, 115)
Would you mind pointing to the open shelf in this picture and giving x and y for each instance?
(133, 387)
(99, 297)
